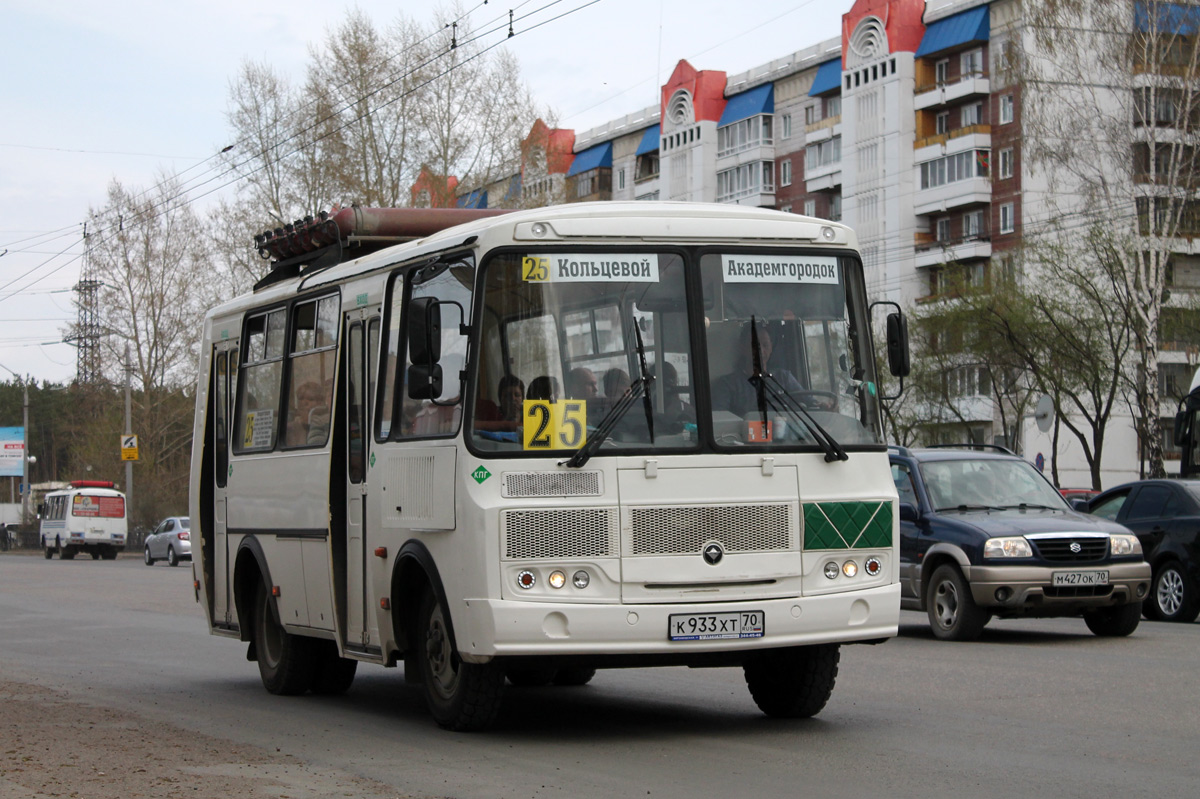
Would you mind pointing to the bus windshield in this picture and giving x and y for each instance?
(576, 345)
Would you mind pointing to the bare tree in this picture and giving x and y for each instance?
(1110, 113)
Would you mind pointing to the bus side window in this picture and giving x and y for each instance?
(440, 416)
(310, 372)
(258, 398)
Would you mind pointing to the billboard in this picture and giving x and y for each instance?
(12, 451)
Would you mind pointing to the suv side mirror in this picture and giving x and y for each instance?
(909, 512)
(1081, 505)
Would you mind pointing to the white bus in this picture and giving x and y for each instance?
(537, 444)
(87, 517)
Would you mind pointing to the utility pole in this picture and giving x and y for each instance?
(128, 432)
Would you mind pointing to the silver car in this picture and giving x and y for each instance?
(171, 540)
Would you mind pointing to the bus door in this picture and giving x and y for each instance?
(217, 578)
(362, 348)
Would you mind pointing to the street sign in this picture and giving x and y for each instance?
(129, 448)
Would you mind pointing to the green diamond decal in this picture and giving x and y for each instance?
(847, 525)
(372, 460)
(481, 474)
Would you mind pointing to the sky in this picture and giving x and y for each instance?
(127, 89)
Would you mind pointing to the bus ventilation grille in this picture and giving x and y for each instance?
(552, 484)
(684, 530)
(568, 533)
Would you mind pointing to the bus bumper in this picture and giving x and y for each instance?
(486, 628)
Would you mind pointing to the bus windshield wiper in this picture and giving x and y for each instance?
(638, 388)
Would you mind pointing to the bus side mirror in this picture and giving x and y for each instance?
(41, 508)
(1181, 427)
(424, 334)
(425, 381)
(897, 344)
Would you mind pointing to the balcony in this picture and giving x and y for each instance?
(971, 137)
(945, 93)
(960, 193)
(930, 252)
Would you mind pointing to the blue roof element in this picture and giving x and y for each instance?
(476, 199)
(1166, 18)
(759, 100)
(591, 158)
(973, 25)
(650, 140)
(829, 77)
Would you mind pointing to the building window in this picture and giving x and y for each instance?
(952, 168)
(621, 179)
(744, 135)
(810, 207)
(835, 208)
(1006, 163)
(647, 166)
(972, 225)
(787, 209)
(785, 126)
(1008, 222)
(972, 114)
(810, 115)
(942, 123)
(785, 172)
(943, 229)
(823, 153)
(833, 106)
(940, 70)
(745, 180)
(1006, 109)
(972, 63)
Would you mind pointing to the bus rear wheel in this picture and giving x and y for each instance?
(66, 553)
(792, 683)
(332, 673)
(285, 661)
(49, 550)
(461, 696)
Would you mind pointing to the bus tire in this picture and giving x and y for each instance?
(66, 553)
(285, 661)
(792, 683)
(332, 674)
(172, 558)
(574, 675)
(95, 553)
(461, 696)
(49, 550)
(531, 676)
(109, 553)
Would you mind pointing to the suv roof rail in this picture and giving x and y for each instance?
(899, 450)
(995, 447)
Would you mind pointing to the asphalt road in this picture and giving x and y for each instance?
(1035, 708)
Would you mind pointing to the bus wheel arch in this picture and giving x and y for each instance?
(413, 572)
(250, 569)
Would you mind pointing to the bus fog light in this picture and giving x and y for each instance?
(526, 579)
(872, 566)
(557, 579)
(581, 579)
(831, 570)
(849, 568)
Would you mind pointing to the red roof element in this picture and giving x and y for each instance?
(92, 484)
(558, 145)
(902, 20)
(707, 89)
(440, 187)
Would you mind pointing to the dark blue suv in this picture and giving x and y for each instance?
(983, 534)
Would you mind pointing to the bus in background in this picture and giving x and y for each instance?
(530, 445)
(87, 517)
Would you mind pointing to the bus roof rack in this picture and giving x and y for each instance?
(314, 243)
(93, 484)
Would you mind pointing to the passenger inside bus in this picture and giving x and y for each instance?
(543, 388)
(616, 382)
(506, 414)
(582, 384)
(734, 391)
(309, 420)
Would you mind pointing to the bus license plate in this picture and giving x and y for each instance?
(710, 626)
(1079, 578)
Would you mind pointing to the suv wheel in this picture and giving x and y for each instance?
(1114, 622)
(953, 614)
(1172, 596)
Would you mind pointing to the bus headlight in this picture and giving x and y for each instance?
(832, 570)
(557, 579)
(581, 579)
(849, 568)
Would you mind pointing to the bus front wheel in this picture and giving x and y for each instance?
(285, 661)
(461, 696)
(49, 549)
(792, 683)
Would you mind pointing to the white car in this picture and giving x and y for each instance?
(171, 540)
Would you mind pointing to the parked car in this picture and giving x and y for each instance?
(1165, 515)
(983, 534)
(1073, 495)
(171, 540)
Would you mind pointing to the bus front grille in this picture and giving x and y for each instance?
(685, 529)
(566, 533)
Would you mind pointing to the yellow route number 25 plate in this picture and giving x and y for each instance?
(554, 425)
